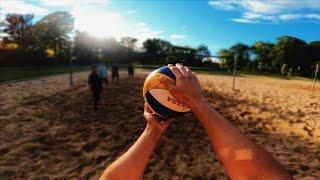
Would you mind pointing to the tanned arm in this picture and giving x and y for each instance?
(131, 164)
(242, 158)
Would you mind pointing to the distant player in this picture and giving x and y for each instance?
(115, 73)
(103, 73)
(130, 70)
(95, 84)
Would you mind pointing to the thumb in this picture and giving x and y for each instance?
(147, 108)
(167, 82)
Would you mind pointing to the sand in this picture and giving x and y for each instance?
(48, 131)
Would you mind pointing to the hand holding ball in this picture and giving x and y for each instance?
(158, 97)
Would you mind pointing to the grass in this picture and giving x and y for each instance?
(20, 73)
(17, 73)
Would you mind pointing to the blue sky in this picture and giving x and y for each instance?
(218, 24)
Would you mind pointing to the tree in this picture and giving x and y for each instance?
(19, 29)
(158, 50)
(291, 51)
(242, 52)
(157, 46)
(262, 54)
(226, 58)
(314, 52)
(82, 46)
(186, 55)
(53, 32)
(203, 51)
(129, 43)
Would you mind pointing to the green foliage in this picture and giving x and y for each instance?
(50, 39)
(289, 55)
(262, 52)
(53, 32)
(203, 50)
(291, 51)
(89, 49)
(19, 29)
(314, 52)
(226, 57)
(163, 52)
(157, 51)
(241, 53)
(129, 43)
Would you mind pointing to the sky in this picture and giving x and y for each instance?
(215, 23)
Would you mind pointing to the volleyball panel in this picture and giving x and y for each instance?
(165, 98)
(161, 109)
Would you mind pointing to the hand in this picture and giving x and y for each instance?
(159, 125)
(187, 88)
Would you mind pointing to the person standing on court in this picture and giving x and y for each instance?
(130, 70)
(115, 73)
(95, 85)
(103, 73)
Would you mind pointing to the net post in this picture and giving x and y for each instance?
(234, 71)
(70, 66)
(315, 78)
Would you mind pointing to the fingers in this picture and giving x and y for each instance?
(167, 82)
(190, 73)
(175, 70)
(148, 114)
(147, 108)
(167, 122)
(180, 71)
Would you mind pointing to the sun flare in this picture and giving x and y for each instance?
(99, 24)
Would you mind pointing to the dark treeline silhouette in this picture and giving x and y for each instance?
(52, 40)
(289, 55)
(46, 41)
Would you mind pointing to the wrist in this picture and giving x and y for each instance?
(153, 131)
(197, 103)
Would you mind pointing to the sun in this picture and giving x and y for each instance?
(99, 23)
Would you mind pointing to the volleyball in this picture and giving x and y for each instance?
(158, 97)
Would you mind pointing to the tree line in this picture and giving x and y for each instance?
(288, 55)
(37, 43)
(52, 39)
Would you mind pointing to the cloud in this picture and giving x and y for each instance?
(226, 5)
(243, 20)
(19, 6)
(131, 11)
(142, 32)
(71, 2)
(313, 16)
(270, 11)
(288, 17)
(177, 36)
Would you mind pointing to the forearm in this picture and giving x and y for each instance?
(131, 164)
(240, 156)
